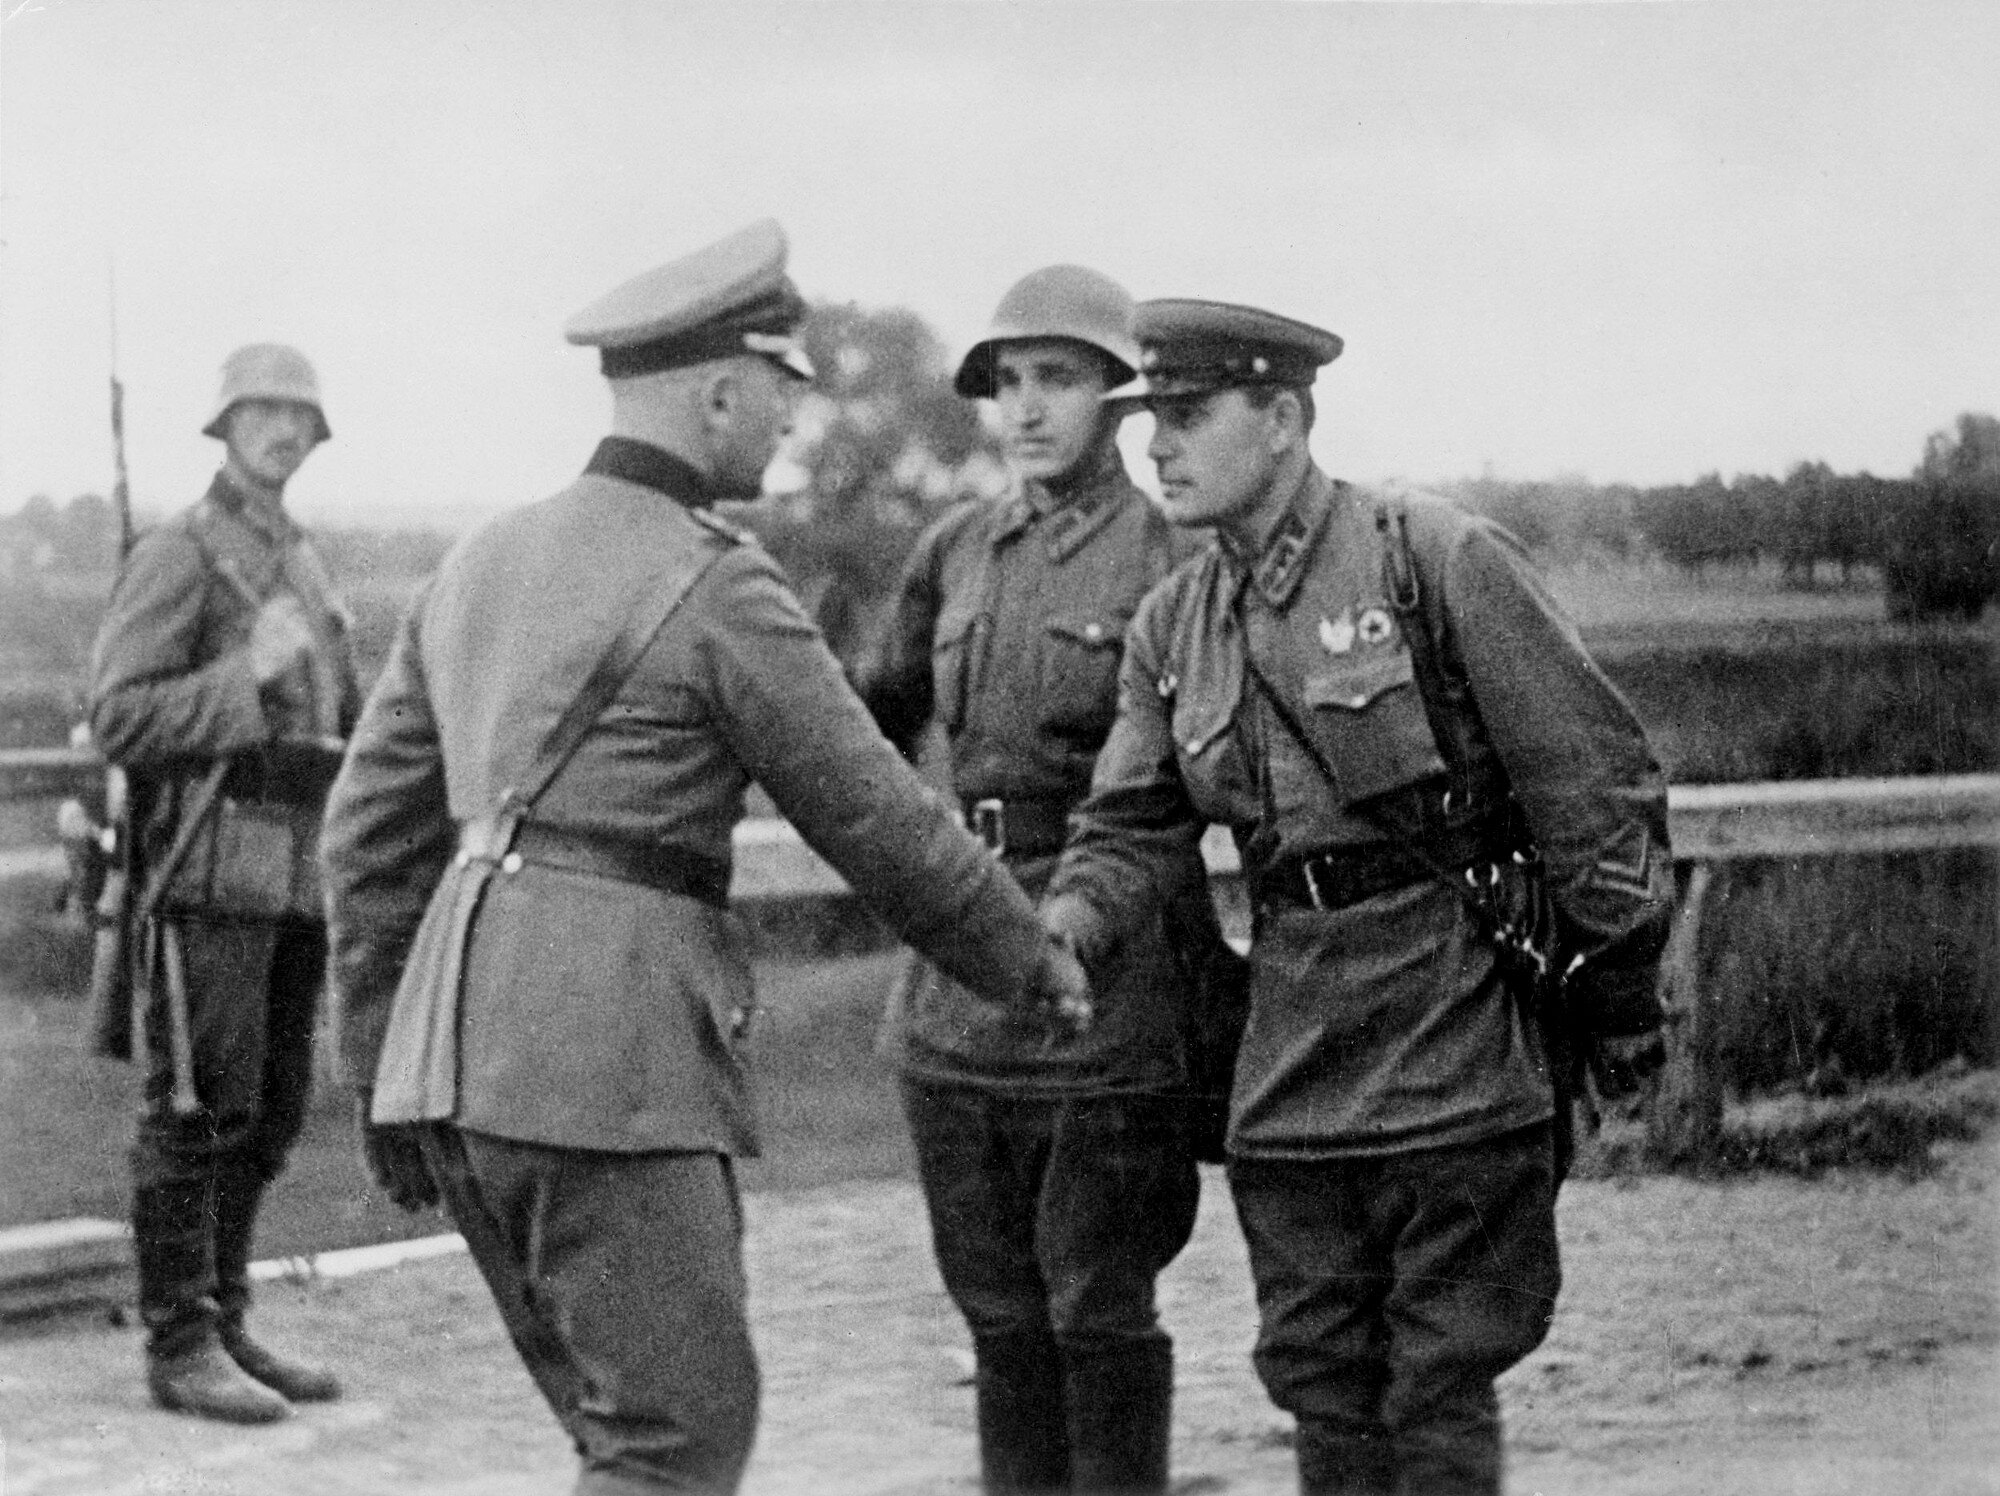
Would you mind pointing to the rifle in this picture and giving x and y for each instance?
(107, 849)
(121, 489)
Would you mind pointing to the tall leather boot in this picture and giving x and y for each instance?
(187, 1369)
(1023, 1424)
(1120, 1417)
(1455, 1451)
(237, 1196)
(1336, 1459)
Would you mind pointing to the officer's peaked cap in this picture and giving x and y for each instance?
(732, 297)
(1191, 347)
(266, 371)
(1057, 301)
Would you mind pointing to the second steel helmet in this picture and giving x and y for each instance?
(266, 371)
(1057, 301)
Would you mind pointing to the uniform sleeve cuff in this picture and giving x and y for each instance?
(1073, 918)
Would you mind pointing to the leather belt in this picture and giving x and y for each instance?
(1032, 826)
(659, 865)
(1336, 879)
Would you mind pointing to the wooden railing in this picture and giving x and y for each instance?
(1713, 826)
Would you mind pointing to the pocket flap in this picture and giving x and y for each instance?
(1356, 683)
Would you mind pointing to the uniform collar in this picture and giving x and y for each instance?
(1068, 519)
(650, 467)
(1282, 564)
(264, 517)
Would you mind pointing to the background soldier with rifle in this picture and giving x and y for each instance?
(222, 685)
(1379, 698)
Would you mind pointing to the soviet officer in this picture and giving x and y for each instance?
(528, 857)
(1058, 1172)
(220, 670)
(1379, 698)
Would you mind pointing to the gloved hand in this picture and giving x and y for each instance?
(1620, 1063)
(395, 1161)
(1060, 987)
(279, 638)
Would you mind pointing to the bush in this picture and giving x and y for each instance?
(1853, 969)
(1867, 967)
(1943, 553)
(1739, 705)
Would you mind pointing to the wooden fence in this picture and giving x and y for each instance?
(1712, 826)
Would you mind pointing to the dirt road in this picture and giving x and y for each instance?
(1837, 1337)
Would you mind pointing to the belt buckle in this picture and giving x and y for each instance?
(989, 824)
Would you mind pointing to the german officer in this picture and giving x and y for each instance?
(1059, 1176)
(545, 991)
(224, 650)
(1378, 697)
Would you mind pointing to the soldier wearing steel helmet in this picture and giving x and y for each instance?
(1059, 1170)
(222, 660)
(541, 991)
(1378, 697)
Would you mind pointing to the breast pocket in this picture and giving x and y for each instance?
(1079, 676)
(953, 646)
(1368, 719)
(1210, 752)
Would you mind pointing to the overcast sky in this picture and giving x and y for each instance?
(1635, 241)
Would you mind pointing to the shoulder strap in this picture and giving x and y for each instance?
(642, 624)
(1400, 584)
(205, 528)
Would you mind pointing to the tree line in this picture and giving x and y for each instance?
(885, 446)
(1933, 537)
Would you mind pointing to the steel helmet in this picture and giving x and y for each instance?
(266, 371)
(1057, 301)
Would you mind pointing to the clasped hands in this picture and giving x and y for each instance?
(1061, 985)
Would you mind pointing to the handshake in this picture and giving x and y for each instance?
(1060, 985)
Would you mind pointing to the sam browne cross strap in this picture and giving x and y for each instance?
(418, 1075)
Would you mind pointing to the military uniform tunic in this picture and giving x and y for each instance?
(595, 1013)
(172, 691)
(1382, 1025)
(1008, 630)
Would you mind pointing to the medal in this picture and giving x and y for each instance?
(1337, 638)
(1375, 626)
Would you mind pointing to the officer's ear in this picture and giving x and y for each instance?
(720, 397)
(1286, 421)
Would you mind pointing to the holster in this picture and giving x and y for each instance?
(421, 1084)
(1521, 919)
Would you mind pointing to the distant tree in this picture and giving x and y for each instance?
(1973, 453)
(1858, 511)
(1943, 544)
(1698, 525)
(885, 446)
